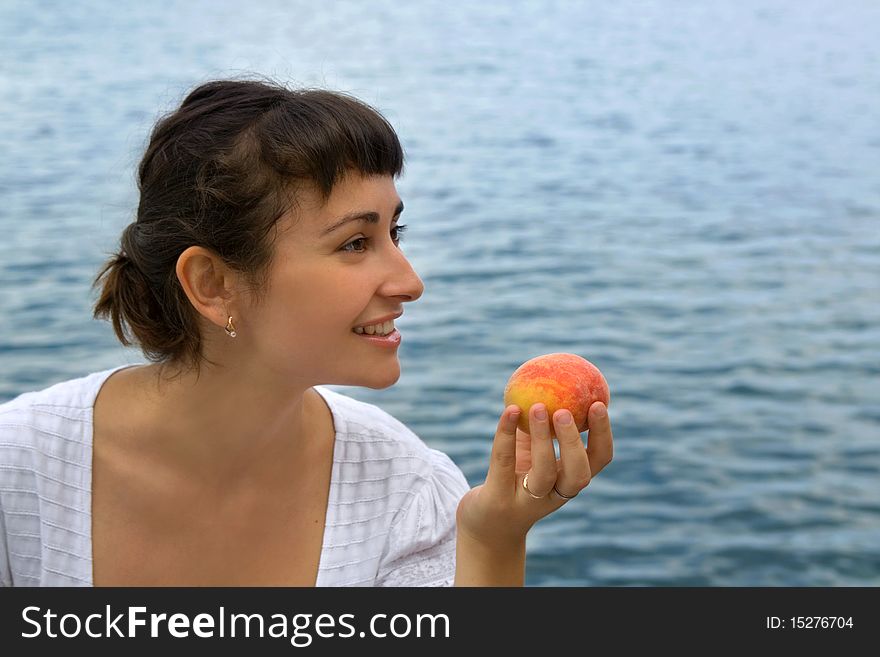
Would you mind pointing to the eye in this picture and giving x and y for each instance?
(397, 232)
(350, 246)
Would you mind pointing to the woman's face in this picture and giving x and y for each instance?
(325, 282)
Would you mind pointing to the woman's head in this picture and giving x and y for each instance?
(237, 165)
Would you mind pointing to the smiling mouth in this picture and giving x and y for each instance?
(379, 330)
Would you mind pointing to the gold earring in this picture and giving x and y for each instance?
(230, 329)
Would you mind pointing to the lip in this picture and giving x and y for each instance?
(379, 320)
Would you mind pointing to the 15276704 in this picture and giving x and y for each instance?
(809, 623)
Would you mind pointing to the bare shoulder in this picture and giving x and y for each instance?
(119, 409)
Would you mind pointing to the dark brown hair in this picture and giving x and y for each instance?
(219, 172)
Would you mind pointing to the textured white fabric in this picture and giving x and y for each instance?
(390, 516)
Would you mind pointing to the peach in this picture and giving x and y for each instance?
(558, 381)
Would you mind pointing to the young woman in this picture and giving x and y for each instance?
(264, 262)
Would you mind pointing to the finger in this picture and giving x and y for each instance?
(502, 475)
(600, 442)
(542, 474)
(574, 467)
(523, 451)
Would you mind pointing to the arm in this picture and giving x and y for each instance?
(479, 565)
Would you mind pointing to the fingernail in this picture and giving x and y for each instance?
(541, 413)
(602, 411)
(563, 417)
(514, 413)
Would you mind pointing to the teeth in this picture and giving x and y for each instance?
(376, 329)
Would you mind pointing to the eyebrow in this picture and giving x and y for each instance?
(370, 217)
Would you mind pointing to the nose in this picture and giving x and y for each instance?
(402, 281)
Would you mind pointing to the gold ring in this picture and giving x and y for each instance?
(565, 497)
(526, 486)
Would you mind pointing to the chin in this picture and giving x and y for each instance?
(380, 380)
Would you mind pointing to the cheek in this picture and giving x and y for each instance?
(326, 306)
(320, 294)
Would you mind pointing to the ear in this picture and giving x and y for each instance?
(207, 282)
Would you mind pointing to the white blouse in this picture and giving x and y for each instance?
(390, 515)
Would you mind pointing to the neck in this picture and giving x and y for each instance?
(227, 428)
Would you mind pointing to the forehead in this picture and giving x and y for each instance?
(354, 193)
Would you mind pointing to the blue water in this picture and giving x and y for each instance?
(685, 193)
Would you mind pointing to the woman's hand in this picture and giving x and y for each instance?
(498, 514)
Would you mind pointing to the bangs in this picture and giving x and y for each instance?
(319, 136)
